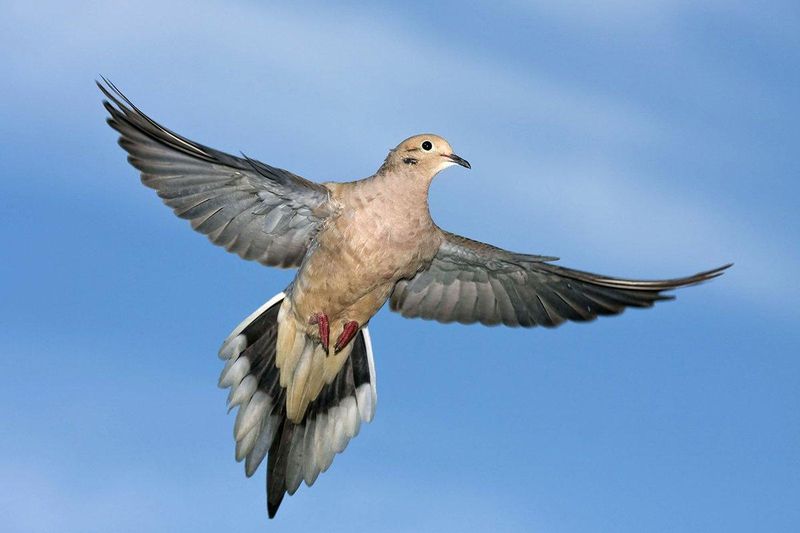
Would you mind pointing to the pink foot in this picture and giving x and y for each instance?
(321, 319)
(348, 332)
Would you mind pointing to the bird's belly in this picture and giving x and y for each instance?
(350, 276)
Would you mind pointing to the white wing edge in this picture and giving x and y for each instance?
(255, 314)
(371, 361)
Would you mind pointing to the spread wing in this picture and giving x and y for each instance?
(469, 281)
(252, 209)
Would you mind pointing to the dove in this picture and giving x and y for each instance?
(300, 369)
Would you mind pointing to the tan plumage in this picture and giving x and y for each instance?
(300, 368)
(383, 233)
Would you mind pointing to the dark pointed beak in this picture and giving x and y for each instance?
(458, 160)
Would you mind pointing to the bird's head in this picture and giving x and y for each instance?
(425, 154)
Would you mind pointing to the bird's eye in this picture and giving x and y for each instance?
(427, 146)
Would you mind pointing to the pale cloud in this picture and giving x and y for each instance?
(134, 497)
(371, 59)
(629, 17)
(640, 224)
(341, 70)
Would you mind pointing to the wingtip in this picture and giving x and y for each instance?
(104, 88)
(105, 85)
(713, 273)
(114, 101)
(701, 277)
(108, 84)
(118, 98)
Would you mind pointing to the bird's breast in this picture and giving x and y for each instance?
(358, 258)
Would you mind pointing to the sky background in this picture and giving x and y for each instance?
(635, 139)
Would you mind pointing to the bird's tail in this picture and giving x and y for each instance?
(295, 451)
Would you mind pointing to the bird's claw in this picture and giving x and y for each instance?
(321, 320)
(348, 332)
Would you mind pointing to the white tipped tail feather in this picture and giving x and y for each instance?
(331, 411)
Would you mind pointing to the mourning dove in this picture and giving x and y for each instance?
(300, 368)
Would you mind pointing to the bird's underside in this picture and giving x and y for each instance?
(300, 368)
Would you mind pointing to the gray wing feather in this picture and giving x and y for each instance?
(469, 281)
(251, 209)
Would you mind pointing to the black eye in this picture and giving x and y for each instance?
(427, 146)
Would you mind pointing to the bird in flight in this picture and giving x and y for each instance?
(300, 368)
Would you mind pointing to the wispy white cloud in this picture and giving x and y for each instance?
(610, 16)
(272, 50)
(629, 17)
(345, 84)
(39, 500)
(365, 66)
(640, 224)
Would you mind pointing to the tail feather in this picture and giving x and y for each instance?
(276, 467)
(295, 451)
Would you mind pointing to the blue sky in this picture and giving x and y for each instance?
(637, 140)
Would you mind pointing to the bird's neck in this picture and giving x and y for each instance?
(405, 183)
(396, 192)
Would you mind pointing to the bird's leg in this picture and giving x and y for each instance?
(321, 320)
(348, 332)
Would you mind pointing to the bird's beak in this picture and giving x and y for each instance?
(458, 160)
